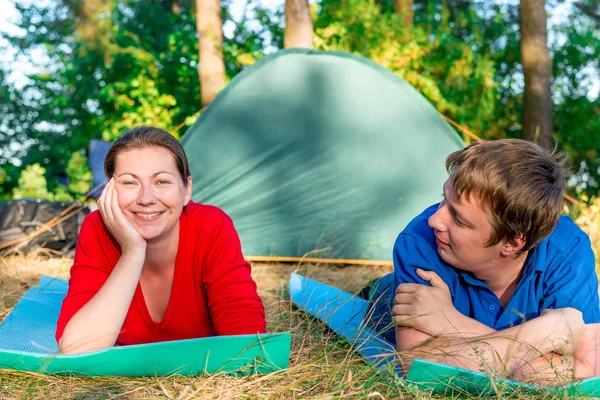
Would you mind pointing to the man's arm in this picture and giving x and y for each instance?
(431, 328)
(523, 352)
(429, 309)
(553, 370)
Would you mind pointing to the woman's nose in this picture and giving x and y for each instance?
(146, 196)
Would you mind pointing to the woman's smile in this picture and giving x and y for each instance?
(147, 216)
(151, 191)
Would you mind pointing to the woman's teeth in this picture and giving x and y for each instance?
(148, 216)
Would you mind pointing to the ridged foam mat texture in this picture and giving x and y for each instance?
(27, 344)
(348, 316)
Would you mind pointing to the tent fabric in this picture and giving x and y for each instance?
(27, 344)
(319, 154)
(348, 316)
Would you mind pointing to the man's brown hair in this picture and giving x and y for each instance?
(147, 136)
(520, 183)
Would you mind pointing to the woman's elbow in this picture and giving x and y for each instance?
(79, 346)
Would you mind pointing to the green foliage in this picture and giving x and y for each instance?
(5, 192)
(100, 85)
(136, 62)
(79, 174)
(32, 184)
(588, 219)
(446, 69)
(258, 32)
(576, 119)
(140, 104)
(61, 193)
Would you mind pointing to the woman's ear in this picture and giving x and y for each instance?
(188, 191)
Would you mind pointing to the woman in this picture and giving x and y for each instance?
(150, 264)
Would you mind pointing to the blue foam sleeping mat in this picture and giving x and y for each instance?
(27, 344)
(347, 315)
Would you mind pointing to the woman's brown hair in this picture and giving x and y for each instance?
(147, 136)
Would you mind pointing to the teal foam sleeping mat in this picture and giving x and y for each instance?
(348, 316)
(27, 344)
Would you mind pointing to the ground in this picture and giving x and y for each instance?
(322, 365)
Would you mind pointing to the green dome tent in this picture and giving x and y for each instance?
(319, 154)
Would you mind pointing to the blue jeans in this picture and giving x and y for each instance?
(381, 299)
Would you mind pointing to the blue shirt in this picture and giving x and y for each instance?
(559, 272)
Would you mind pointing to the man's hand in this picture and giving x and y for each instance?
(428, 309)
(588, 352)
(574, 350)
(566, 329)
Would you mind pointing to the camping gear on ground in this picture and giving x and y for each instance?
(27, 343)
(19, 218)
(348, 316)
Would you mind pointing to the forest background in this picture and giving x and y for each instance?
(72, 71)
(526, 69)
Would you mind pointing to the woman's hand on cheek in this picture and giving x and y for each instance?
(117, 223)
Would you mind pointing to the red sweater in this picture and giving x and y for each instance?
(212, 293)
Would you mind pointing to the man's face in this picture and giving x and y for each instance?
(462, 230)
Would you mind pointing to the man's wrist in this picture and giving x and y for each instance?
(465, 326)
(455, 320)
(545, 335)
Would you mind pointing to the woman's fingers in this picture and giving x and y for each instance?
(115, 209)
(115, 220)
(108, 203)
(101, 201)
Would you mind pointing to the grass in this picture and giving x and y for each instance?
(322, 365)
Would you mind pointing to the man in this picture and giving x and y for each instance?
(493, 278)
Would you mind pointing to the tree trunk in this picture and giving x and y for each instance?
(537, 68)
(93, 31)
(210, 45)
(404, 8)
(90, 26)
(298, 25)
(171, 6)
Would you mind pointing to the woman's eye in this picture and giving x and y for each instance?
(128, 183)
(162, 182)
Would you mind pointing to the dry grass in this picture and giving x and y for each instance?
(322, 365)
(588, 219)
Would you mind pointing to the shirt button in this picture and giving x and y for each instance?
(491, 307)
